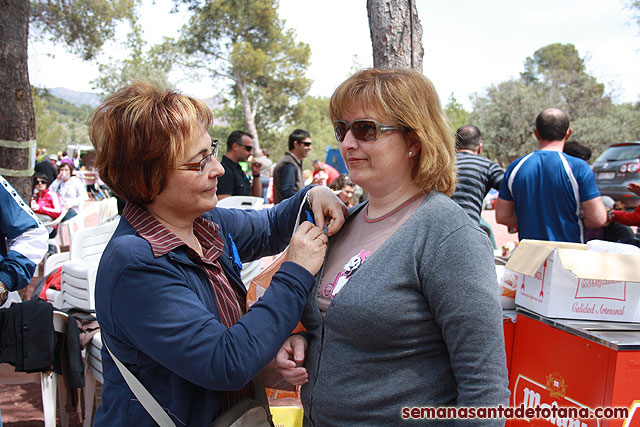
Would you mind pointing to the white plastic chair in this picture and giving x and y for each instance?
(55, 241)
(109, 209)
(92, 376)
(50, 386)
(77, 287)
(241, 202)
(79, 273)
(88, 244)
(51, 263)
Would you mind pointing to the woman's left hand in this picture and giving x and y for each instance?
(325, 204)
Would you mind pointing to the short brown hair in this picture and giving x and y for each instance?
(410, 99)
(139, 134)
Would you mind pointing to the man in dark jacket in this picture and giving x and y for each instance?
(287, 174)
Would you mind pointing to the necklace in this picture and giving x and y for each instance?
(393, 211)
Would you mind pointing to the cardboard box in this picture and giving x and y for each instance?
(565, 280)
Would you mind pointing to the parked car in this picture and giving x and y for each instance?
(615, 168)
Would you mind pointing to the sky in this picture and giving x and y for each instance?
(469, 44)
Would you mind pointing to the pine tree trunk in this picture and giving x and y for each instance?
(249, 113)
(17, 120)
(396, 34)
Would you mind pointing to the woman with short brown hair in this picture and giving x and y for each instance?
(169, 297)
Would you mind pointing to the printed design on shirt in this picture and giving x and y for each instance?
(331, 289)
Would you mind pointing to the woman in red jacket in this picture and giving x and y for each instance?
(45, 204)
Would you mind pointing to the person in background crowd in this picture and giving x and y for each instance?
(23, 242)
(53, 159)
(45, 204)
(41, 154)
(575, 149)
(344, 189)
(476, 174)
(405, 312)
(628, 218)
(612, 231)
(71, 190)
(169, 297)
(234, 182)
(262, 157)
(45, 167)
(324, 174)
(76, 160)
(287, 173)
(544, 193)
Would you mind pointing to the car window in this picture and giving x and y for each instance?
(622, 152)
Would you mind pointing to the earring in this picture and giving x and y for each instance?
(410, 153)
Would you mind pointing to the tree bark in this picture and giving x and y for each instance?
(396, 34)
(249, 112)
(17, 119)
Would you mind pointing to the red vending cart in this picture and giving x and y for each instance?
(509, 328)
(574, 363)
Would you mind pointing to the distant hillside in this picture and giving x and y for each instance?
(76, 98)
(93, 99)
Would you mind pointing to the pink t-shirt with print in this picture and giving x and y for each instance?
(356, 242)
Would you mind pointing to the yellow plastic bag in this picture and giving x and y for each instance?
(287, 416)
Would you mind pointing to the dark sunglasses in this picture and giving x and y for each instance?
(362, 129)
(249, 148)
(39, 181)
(306, 144)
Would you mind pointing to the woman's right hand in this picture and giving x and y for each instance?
(290, 359)
(307, 247)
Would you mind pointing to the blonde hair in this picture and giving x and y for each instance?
(139, 134)
(410, 99)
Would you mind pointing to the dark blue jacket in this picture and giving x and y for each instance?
(23, 239)
(159, 317)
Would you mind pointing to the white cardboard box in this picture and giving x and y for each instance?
(565, 280)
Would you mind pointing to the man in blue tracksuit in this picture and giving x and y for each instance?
(23, 242)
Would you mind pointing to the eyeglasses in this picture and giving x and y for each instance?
(249, 148)
(39, 181)
(203, 165)
(307, 144)
(362, 129)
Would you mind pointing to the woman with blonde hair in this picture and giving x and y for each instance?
(405, 312)
(169, 297)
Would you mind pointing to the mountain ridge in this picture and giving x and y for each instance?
(92, 99)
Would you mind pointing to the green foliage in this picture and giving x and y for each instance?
(82, 25)
(140, 64)
(313, 116)
(554, 76)
(227, 118)
(620, 123)
(58, 122)
(560, 68)
(505, 116)
(634, 6)
(456, 113)
(245, 43)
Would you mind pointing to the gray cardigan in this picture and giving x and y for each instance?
(419, 324)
